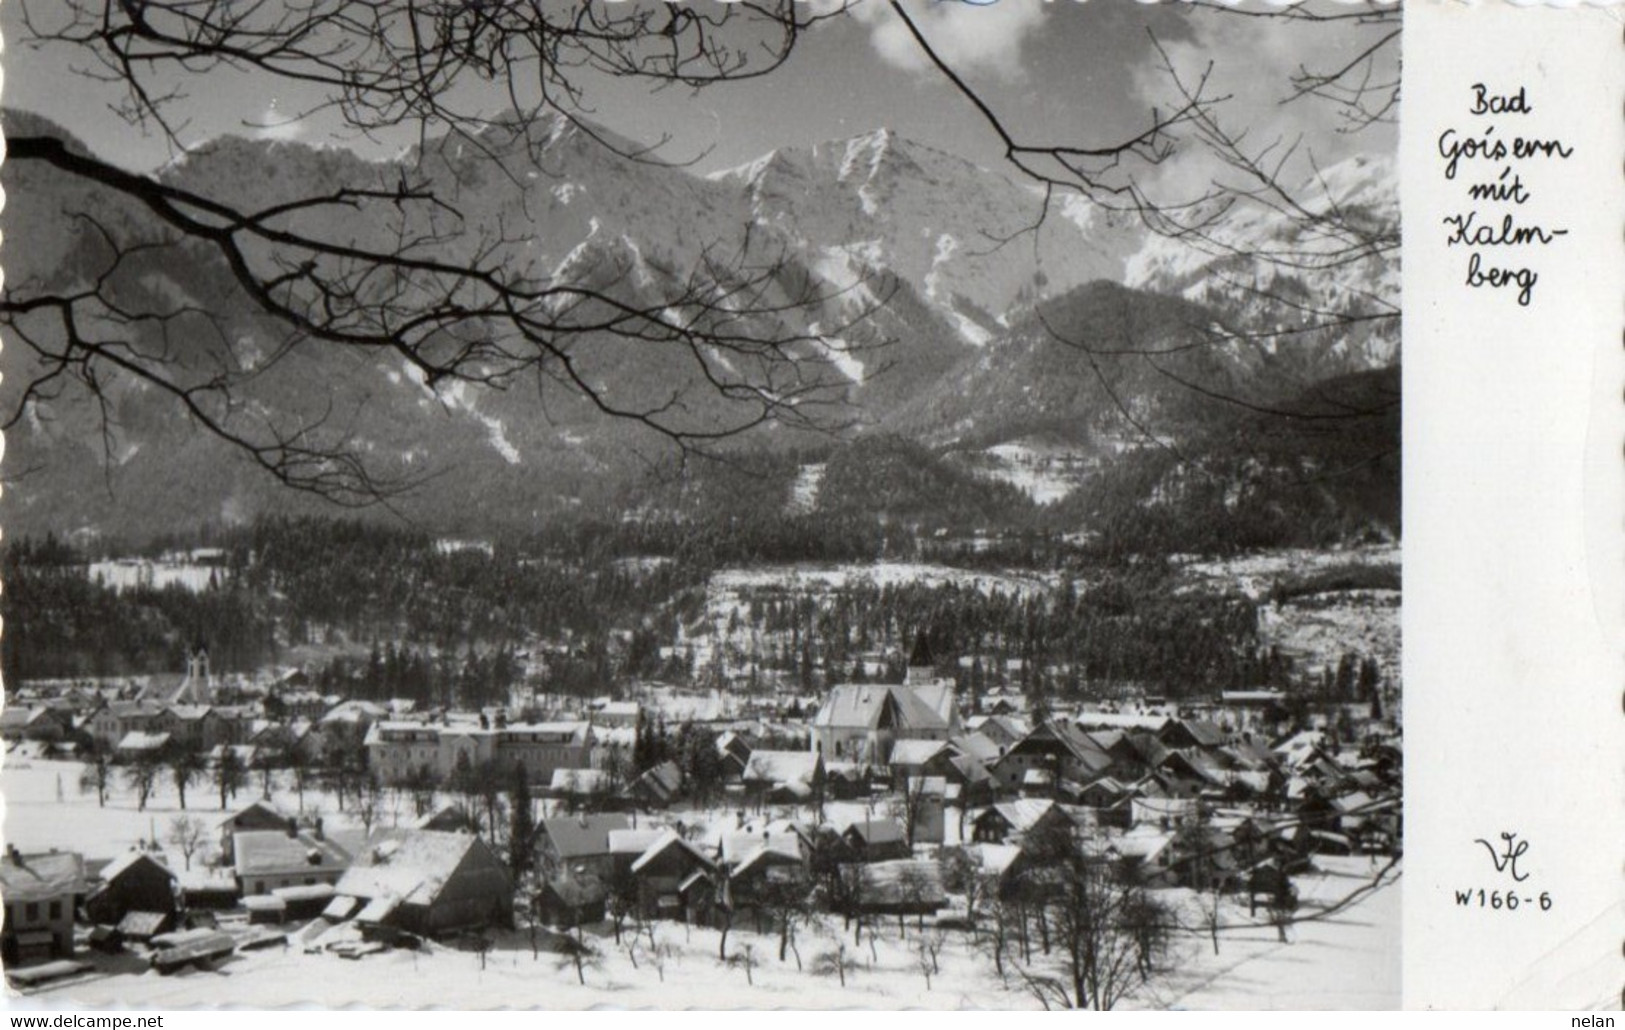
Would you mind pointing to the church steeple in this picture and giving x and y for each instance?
(922, 667)
(197, 688)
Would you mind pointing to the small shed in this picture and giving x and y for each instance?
(266, 908)
(134, 881)
(144, 926)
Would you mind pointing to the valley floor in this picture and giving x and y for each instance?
(1345, 957)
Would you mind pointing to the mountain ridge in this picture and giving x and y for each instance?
(920, 319)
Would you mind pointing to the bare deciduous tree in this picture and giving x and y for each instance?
(459, 303)
(97, 776)
(187, 833)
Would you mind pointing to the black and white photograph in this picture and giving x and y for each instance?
(757, 505)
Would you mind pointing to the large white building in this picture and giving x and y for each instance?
(395, 749)
(860, 722)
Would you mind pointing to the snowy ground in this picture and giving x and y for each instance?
(1045, 473)
(1348, 961)
(1347, 958)
(1256, 574)
(807, 577)
(36, 819)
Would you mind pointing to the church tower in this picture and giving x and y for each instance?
(922, 668)
(197, 688)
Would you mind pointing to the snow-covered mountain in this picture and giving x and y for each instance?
(1278, 273)
(972, 243)
(886, 262)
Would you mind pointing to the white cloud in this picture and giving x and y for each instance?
(1253, 61)
(277, 125)
(972, 36)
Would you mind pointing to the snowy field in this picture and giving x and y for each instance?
(1346, 957)
(126, 573)
(803, 577)
(1348, 961)
(1044, 473)
(1256, 574)
(36, 820)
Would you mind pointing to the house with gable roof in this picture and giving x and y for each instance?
(39, 892)
(784, 777)
(133, 882)
(429, 882)
(669, 873)
(1058, 749)
(578, 845)
(264, 860)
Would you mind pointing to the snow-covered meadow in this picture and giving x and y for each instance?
(1347, 958)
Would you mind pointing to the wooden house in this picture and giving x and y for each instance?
(1183, 733)
(1010, 821)
(665, 875)
(429, 883)
(658, 786)
(578, 845)
(1057, 748)
(784, 777)
(878, 839)
(258, 815)
(133, 882)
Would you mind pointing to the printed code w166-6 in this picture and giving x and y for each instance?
(1506, 901)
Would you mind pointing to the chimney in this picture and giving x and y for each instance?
(293, 827)
(318, 828)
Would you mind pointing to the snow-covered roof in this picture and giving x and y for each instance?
(738, 845)
(633, 842)
(768, 854)
(916, 752)
(978, 746)
(667, 840)
(411, 865)
(788, 768)
(996, 858)
(579, 781)
(859, 706)
(880, 830)
(1143, 846)
(136, 740)
(117, 866)
(273, 852)
(1023, 813)
(41, 877)
(904, 881)
(580, 836)
(1119, 721)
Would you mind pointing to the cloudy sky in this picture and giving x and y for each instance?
(1079, 72)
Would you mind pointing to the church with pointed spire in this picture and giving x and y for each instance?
(862, 721)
